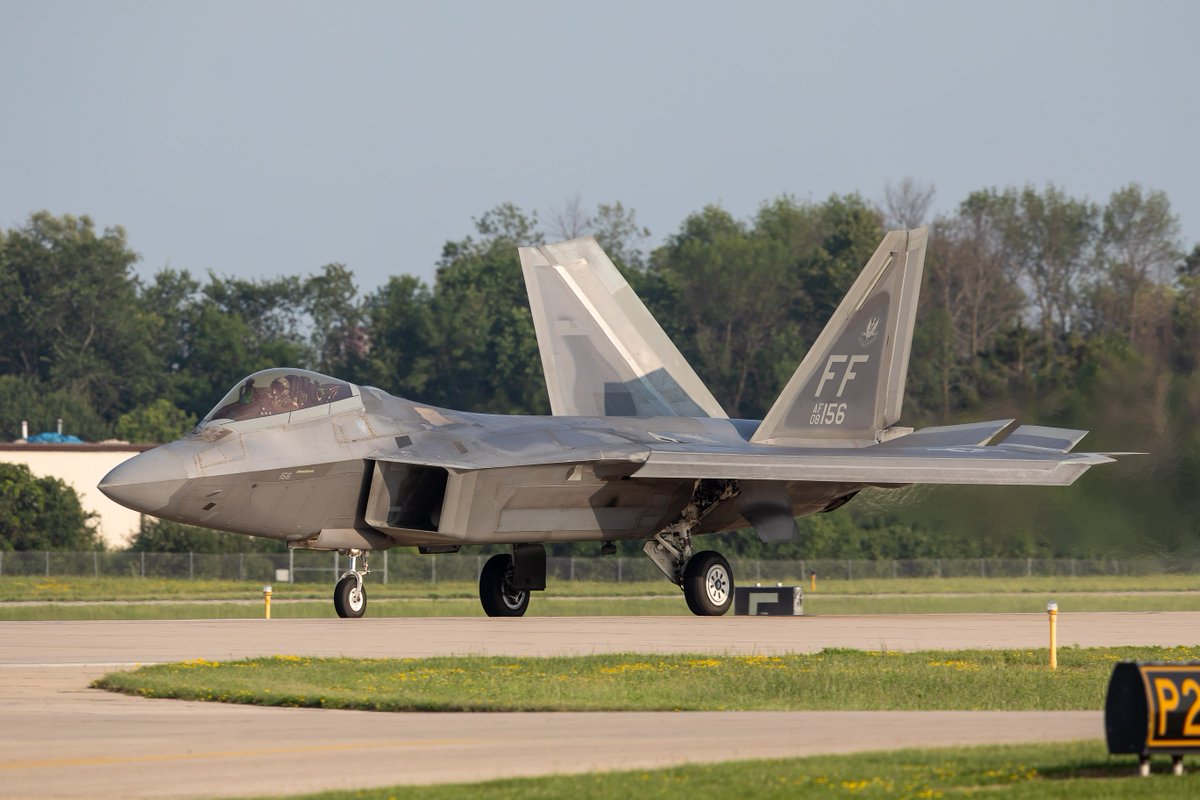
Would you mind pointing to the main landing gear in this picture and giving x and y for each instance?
(506, 580)
(349, 596)
(705, 577)
(496, 591)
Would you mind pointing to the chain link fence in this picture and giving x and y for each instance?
(306, 566)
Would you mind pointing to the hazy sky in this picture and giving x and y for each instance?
(269, 138)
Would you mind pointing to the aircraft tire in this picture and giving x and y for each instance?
(347, 600)
(496, 593)
(708, 584)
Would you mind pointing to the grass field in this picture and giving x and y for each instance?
(550, 606)
(34, 588)
(26, 598)
(1067, 770)
(832, 679)
(293, 609)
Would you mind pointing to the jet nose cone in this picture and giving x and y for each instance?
(147, 481)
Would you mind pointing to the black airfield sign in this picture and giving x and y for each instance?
(1153, 708)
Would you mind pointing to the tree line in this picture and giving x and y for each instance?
(1037, 304)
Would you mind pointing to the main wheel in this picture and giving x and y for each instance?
(496, 591)
(708, 584)
(348, 599)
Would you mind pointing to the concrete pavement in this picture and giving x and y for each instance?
(59, 738)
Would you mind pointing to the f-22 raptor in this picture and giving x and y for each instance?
(637, 447)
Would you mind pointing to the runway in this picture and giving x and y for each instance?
(151, 641)
(60, 739)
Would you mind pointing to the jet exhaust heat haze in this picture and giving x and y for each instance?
(636, 448)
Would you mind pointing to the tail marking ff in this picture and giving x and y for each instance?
(849, 388)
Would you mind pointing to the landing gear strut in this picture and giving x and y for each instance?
(706, 577)
(349, 596)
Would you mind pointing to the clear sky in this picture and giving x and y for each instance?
(269, 138)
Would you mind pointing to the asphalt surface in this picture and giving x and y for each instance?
(59, 738)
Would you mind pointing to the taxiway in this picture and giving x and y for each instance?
(59, 738)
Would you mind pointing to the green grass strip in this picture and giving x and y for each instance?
(550, 606)
(1068, 770)
(323, 608)
(75, 588)
(832, 679)
(26, 598)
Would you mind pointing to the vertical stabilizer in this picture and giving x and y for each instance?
(604, 355)
(850, 386)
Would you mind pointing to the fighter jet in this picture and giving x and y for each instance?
(636, 448)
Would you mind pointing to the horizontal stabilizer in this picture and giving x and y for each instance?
(603, 354)
(1038, 437)
(972, 433)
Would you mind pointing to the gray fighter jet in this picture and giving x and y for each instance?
(637, 447)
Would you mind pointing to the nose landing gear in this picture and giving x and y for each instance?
(349, 596)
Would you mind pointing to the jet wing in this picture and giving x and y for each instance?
(1032, 456)
(956, 465)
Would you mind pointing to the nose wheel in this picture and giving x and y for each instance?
(350, 596)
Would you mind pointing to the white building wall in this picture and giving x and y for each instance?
(81, 466)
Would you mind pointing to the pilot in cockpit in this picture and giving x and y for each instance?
(285, 392)
(280, 398)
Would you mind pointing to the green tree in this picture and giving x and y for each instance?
(158, 422)
(734, 293)
(212, 336)
(68, 312)
(484, 354)
(743, 301)
(42, 513)
(1052, 238)
(26, 398)
(337, 338)
(1140, 252)
(273, 309)
(617, 230)
(165, 536)
(398, 354)
(971, 298)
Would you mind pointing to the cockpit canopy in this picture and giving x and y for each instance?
(280, 391)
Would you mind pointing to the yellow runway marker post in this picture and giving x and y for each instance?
(1052, 611)
(266, 602)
